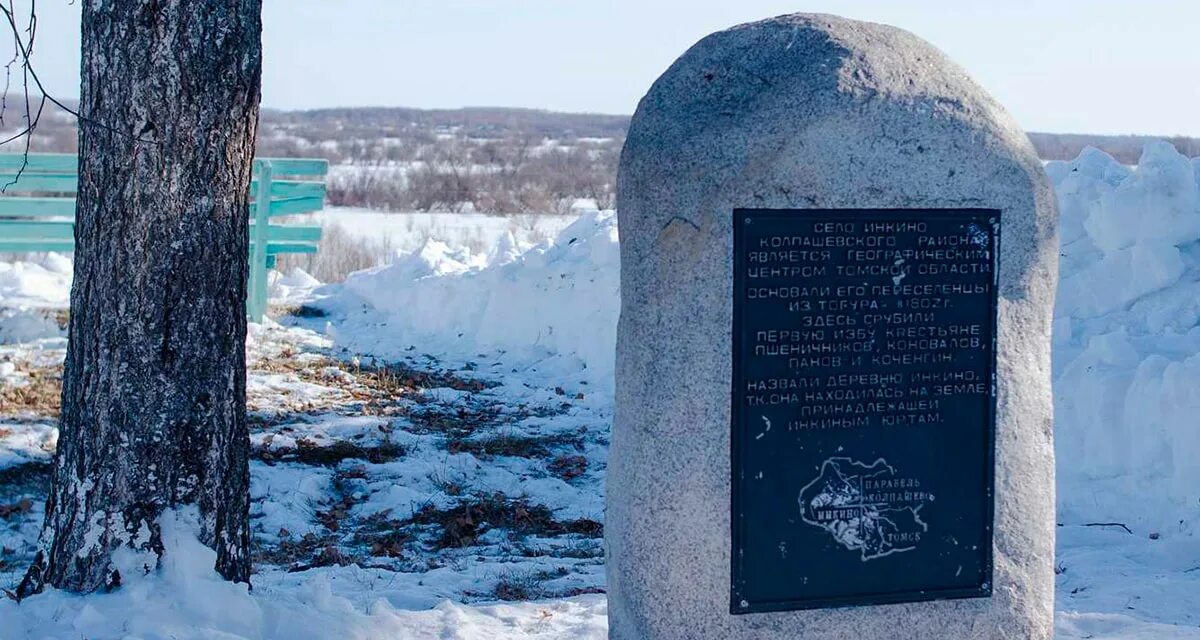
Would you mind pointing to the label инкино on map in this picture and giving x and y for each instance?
(863, 406)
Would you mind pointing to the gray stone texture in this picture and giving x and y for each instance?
(807, 111)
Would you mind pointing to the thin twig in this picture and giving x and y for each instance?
(1109, 524)
(22, 52)
(8, 75)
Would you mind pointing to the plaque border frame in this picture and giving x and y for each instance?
(739, 605)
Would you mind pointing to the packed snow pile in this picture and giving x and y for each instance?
(29, 292)
(558, 298)
(292, 287)
(45, 282)
(403, 233)
(1126, 341)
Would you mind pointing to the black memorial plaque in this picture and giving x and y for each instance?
(863, 406)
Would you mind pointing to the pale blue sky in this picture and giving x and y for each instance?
(1097, 66)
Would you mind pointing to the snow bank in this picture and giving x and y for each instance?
(42, 283)
(1126, 341)
(29, 291)
(403, 233)
(560, 297)
(185, 598)
(293, 287)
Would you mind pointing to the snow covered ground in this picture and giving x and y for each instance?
(429, 437)
(398, 234)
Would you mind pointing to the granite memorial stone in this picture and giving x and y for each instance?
(838, 262)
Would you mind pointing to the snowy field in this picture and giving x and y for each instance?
(429, 437)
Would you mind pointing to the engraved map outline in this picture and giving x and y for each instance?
(854, 535)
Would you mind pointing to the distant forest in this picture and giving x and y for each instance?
(494, 160)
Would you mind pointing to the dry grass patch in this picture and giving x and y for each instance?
(301, 554)
(513, 445)
(382, 536)
(519, 586)
(395, 377)
(298, 311)
(22, 506)
(41, 395)
(309, 452)
(370, 389)
(462, 524)
(568, 467)
(458, 423)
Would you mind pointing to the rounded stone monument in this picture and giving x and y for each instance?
(808, 163)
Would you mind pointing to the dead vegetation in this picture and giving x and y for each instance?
(345, 530)
(297, 311)
(300, 554)
(519, 586)
(339, 254)
(40, 395)
(455, 423)
(462, 524)
(460, 425)
(342, 529)
(310, 452)
(368, 388)
(527, 585)
(378, 537)
(382, 536)
(396, 376)
(24, 505)
(509, 444)
(568, 467)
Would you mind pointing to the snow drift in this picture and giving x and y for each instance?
(1126, 334)
(1126, 341)
(28, 290)
(558, 298)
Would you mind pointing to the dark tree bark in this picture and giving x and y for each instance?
(154, 413)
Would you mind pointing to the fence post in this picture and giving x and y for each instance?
(256, 303)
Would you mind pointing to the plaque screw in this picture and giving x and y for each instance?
(747, 220)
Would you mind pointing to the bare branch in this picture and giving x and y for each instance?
(23, 45)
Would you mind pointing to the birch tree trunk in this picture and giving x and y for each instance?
(153, 401)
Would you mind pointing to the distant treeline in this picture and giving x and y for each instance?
(495, 160)
(1126, 149)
